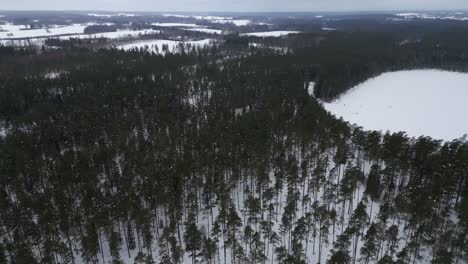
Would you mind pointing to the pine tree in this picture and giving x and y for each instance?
(193, 238)
(369, 249)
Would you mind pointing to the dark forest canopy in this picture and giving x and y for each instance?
(219, 155)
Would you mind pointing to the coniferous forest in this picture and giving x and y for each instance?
(221, 155)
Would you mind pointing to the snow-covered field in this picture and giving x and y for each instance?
(442, 15)
(20, 31)
(114, 35)
(419, 102)
(271, 33)
(198, 17)
(214, 19)
(237, 22)
(38, 37)
(157, 45)
(112, 15)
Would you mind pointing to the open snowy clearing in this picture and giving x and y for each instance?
(10, 31)
(112, 15)
(419, 102)
(114, 35)
(198, 17)
(215, 19)
(237, 22)
(40, 40)
(443, 16)
(157, 45)
(271, 33)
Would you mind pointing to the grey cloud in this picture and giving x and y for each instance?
(234, 5)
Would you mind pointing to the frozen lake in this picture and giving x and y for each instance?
(420, 102)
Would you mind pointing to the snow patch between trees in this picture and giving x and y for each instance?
(164, 46)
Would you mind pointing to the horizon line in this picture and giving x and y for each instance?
(251, 11)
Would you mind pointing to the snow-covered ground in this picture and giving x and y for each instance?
(237, 22)
(177, 25)
(311, 89)
(442, 15)
(157, 45)
(198, 17)
(214, 19)
(328, 29)
(112, 15)
(271, 33)
(66, 35)
(114, 35)
(419, 102)
(21, 31)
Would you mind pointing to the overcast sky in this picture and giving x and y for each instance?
(234, 5)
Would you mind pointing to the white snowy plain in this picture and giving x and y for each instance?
(214, 19)
(271, 33)
(38, 36)
(419, 102)
(457, 16)
(21, 31)
(114, 35)
(112, 15)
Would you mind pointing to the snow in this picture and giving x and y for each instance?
(237, 22)
(328, 29)
(198, 17)
(3, 131)
(311, 89)
(115, 35)
(126, 15)
(271, 33)
(205, 30)
(112, 15)
(214, 19)
(173, 45)
(407, 14)
(40, 40)
(175, 15)
(456, 16)
(263, 24)
(176, 25)
(419, 102)
(52, 75)
(21, 31)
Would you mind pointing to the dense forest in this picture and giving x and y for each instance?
(221, 155)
